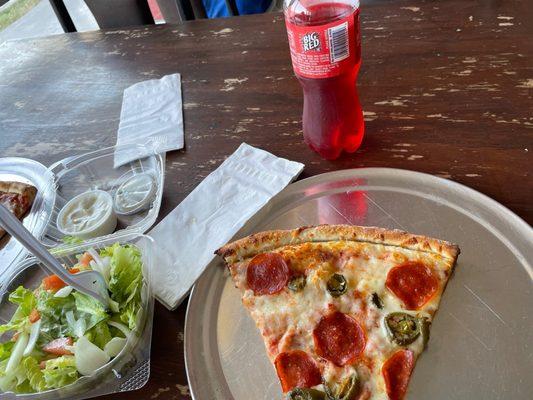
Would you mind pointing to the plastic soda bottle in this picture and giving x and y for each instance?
(325, 45)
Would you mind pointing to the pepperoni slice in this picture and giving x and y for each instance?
(267, 273)
(396, 372)
(339, 338)
(297, 369)
(413, 283)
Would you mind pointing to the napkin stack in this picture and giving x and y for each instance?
(216, 209)
(151, 115)
(209, 217)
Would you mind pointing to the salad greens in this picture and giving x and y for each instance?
(72, 240)
(58, 334)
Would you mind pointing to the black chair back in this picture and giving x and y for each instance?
(125, 13)
(108, 14)
(120, 13)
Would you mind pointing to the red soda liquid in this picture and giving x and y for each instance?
(332, 114)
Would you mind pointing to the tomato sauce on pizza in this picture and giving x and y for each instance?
(344, 310)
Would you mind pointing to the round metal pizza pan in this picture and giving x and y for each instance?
(28, 171)
(481, 338)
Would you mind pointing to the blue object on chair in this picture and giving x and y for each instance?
(217, 8)
(253, 6)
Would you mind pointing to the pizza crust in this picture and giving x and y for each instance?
(24, 189)
(288, 320)
(270, 240)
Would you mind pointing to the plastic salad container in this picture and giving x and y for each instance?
(129, 369)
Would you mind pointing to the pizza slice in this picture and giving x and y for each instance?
(344, 311)
(17, 197)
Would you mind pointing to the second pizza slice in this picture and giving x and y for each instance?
(344, 311)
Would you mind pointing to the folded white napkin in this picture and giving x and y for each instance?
(211, 214)
(152, 115)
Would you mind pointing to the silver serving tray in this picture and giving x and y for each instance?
(482, 337)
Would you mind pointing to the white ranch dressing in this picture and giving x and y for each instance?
(88, 215)
(135, 194)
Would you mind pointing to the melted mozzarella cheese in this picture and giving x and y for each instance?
(287, 319)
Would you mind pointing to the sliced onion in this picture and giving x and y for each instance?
(70, 318)
(35, 330)
(72, 348)
(121, 327)
(102, 265)
(81, 327)
(95, 266)
(78, 326)
(115, 346)
(17, 353)
(64, 291)
(106, 268)
(95, 256)
(88, 356)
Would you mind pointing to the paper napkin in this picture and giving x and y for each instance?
(211, 214)
(151, 114)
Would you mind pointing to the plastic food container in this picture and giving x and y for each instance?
(130, 369)
(94, 171)
(27, 171)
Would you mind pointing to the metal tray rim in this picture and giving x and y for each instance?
(497, 210)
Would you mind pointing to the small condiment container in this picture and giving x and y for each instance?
(88, 215)
(134, 194)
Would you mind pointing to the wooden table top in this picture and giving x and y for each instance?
(446, 88)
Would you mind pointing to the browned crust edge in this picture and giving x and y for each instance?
(269, 240)
(19, 188)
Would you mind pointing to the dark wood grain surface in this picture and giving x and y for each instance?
(446, 88)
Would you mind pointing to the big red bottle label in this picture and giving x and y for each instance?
(324, 51)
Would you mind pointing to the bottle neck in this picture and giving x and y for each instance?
(318, 12)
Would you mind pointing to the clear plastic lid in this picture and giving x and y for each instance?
(15, 169)
(95, 171)
(69, 178)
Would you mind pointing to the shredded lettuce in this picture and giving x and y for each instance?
(6, 349)
(128, 314)
(71, 316)
(72, 240)
(24, 387)
(126, 280)
(53, 312)
(26, 303)
(30, 378)
(89, 308)
(77, 327)
(16, 380)
(126, 272)
(98, 333)
(59, 372)
(34, 374)
(6, 382)
(24, 298)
